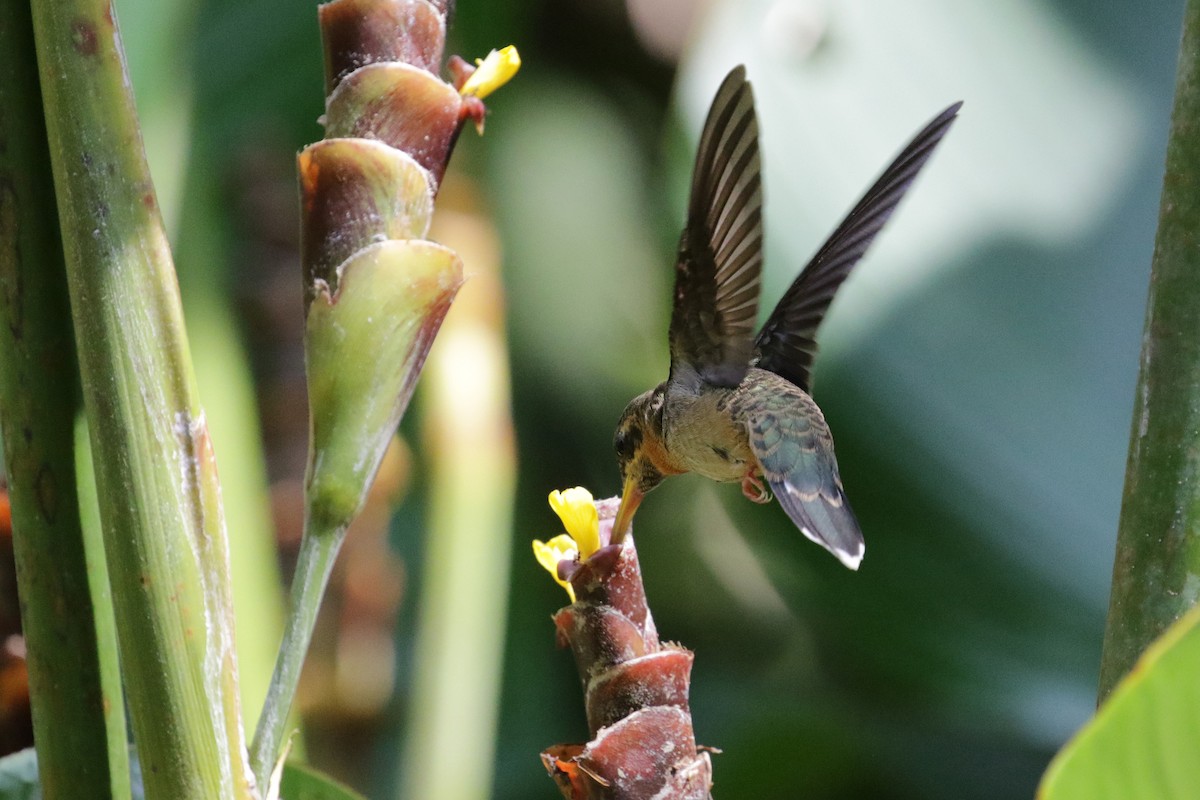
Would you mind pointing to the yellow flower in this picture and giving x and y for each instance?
(494, 71)
(548, 554)
(578, 514)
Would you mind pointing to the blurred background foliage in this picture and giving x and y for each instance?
(977, 371)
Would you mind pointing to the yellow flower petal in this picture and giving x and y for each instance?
(494, 71)
(578, 514)
(548, 554)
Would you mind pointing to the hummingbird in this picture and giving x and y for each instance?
(737, 406)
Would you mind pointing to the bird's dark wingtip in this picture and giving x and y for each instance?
(936, 128)
(827, 522)
(847, 549)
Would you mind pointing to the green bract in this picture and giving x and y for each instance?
(364, 347)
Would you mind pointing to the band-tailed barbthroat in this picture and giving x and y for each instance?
(736, 405)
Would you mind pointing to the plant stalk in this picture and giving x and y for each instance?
(1156, 574)
(318, 551)
(468, 433)
(78, 710)
(635, 686)
(155, 469)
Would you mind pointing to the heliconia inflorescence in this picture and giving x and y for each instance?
(635, 687)
(375, 289)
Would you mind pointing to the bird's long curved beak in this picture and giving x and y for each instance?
(631, 498)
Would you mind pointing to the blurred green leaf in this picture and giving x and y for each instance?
(589, 285)
(1142, 743)
(302, 782)
(468, 434)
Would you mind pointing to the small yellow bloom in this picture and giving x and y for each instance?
(578, 514)
(494, 71)
(548, 554)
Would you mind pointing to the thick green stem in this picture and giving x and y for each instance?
(1156, 576)
(189, 164)
(155, 470)
(66, 614)
(318, 551)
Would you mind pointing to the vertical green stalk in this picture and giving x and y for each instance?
(1156, 575)
(223, 372)
(318, 551)
(460, 638)
(188, 164)
(66, 611)
(155, 470)
(106, 623)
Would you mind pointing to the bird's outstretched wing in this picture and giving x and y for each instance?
(720, 252)
(795, 451)
(786, 345)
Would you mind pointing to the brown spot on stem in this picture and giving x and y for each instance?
(83, 38)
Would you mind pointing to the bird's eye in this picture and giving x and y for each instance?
(621, 444)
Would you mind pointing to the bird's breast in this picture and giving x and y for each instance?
(703, 436)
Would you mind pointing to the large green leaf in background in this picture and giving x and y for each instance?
(1143, 742)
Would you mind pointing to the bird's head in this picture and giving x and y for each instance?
(641, 454)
